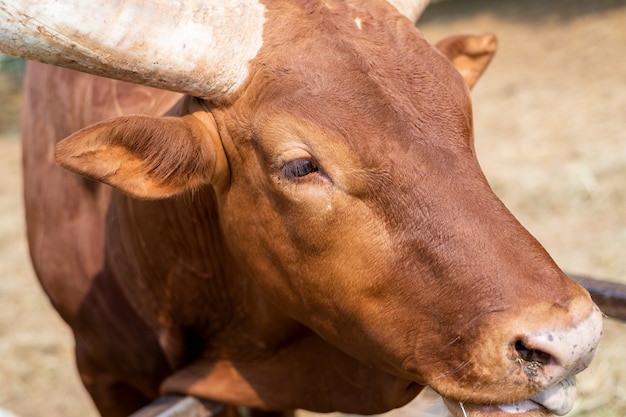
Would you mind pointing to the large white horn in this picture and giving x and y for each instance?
(412, 9)
(197, 47)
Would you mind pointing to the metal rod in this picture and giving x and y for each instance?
(609, 296)
(179, 406)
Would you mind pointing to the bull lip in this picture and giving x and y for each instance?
(557, 399)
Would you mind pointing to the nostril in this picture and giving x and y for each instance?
(556, 352)
(529, 355)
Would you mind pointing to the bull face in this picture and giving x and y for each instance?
(350, 196)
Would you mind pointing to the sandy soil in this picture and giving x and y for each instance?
(551, 135)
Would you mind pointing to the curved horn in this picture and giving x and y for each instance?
(412, 9)
(196, 47)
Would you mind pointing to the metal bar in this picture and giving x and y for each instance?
(609, 296)
(179, 406)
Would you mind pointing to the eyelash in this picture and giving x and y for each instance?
(299, 168)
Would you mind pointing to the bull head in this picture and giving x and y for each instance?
(337, 144)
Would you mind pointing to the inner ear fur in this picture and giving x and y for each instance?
(469, 54)
(145, 157)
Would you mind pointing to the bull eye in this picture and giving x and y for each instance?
(299, 168)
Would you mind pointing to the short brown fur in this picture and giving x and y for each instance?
(389, 267)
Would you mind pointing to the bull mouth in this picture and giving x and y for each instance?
(556, 400)
(526, 408)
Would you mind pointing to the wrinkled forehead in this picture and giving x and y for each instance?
(361, 80)
(366, 112)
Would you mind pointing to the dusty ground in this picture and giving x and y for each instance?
(550, 118)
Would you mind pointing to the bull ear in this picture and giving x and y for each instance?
(146, 157)
(469, 54)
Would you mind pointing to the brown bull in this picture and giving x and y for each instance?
(314, 232)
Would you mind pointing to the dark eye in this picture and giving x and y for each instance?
(299, 168)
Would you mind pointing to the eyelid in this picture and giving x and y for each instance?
(291, 154)
(293, 151)
(299, 168)
(316, 177)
